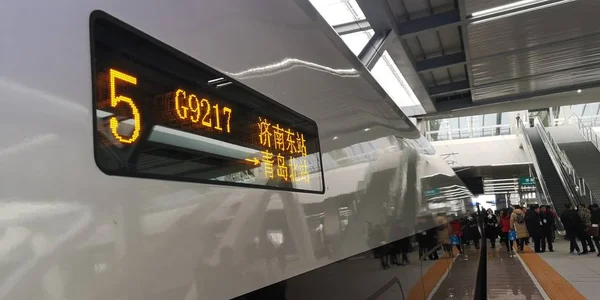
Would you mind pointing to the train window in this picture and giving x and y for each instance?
(161, 114)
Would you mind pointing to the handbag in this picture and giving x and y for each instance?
(454, 240)
(512, 235)
(594, 230)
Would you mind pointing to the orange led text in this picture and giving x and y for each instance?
(122, 100)
(191, 108)
(282, 142)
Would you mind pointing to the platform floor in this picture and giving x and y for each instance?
(459, 282)
(507, 277)
(581, 271)
(527, 275)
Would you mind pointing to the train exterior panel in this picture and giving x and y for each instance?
(71, 231)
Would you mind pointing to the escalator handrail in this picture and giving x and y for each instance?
(553, 150)
(536, 165)
(569, 172)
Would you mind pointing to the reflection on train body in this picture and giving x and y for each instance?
(69, 231)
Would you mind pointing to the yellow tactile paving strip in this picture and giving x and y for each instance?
(424, 287)
(555, 286)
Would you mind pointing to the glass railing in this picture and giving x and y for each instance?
(467, 133)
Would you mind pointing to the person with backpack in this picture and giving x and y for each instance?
(517, 223)
(585, 215)
(573, 226)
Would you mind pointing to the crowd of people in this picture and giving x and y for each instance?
(520, 225)
(538, 223)
(513, 226)
(582, 224)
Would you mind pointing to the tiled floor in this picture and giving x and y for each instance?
(583, 271)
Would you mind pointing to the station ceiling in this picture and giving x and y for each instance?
(458, 55)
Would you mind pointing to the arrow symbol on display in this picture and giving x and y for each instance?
(253, 160)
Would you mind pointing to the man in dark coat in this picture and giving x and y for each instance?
(547, 218)
(595, 220)
(471, 230)
(426, 232)
(573, 226)
(534, 226)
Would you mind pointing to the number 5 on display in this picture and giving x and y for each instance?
(116, 100)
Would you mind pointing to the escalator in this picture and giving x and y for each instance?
(556, 190)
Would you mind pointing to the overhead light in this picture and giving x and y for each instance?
(578, 91)
(499, 11)
(367, 129)
(505, 7)
(335, 138)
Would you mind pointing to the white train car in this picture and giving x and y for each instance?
(190, 149)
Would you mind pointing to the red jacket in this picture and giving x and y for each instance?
(456, 229)
(505, 222)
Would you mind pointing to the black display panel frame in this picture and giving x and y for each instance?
(131, 51)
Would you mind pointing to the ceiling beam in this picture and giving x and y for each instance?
(560, 96)
(352, 27)
(454, 102)
(373, 50)
(439, 62)
(449, 88)
(380, 16)
(464, 40)
(430, 23)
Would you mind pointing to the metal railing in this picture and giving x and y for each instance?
(585, 130)
(582, 188)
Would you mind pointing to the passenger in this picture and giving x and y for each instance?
(534, 227)
(472, 230)
(517, 223)
(573, 226)
(456, 229)
(555, 215)
(547, 227)
(377, 241)
(426, 232)
(505, 227)
(444, 232)
(491, 229)
(595, 220)
(400, 248)
(404, 247)
(585, 238)
(524, 209)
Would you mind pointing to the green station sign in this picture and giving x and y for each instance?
(432, 193)
(527, 181)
